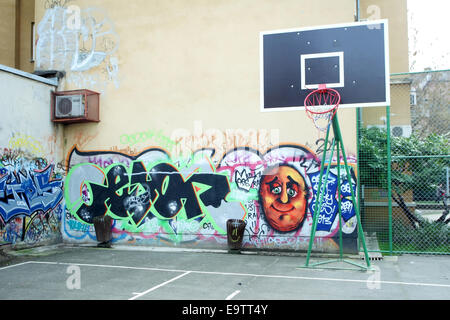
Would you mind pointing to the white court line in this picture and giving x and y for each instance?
(108, 266)
(158, 286)
(231, 296)
(15, 265)
(249, 274)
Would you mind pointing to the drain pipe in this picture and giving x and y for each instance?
(357, 15)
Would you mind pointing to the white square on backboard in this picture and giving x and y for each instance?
(304, 57)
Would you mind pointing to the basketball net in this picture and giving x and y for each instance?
(321, 105)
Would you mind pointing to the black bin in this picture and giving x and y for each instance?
(103, 230)
(235, 234)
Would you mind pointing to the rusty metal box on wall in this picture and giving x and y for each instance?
(75, 106)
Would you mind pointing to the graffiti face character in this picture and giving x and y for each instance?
(283, 197)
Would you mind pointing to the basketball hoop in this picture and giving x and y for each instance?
(321, 106)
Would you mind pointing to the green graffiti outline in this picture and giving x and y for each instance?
(163, 222)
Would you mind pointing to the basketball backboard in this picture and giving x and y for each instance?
(352, 58)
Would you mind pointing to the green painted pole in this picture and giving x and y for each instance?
(338, 136)
(321, 190)
(358, 148)
(339, 144)
(341, 250)
(319, 195)
(389, 172)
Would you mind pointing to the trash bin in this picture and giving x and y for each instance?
(103, 231)
(235, 234)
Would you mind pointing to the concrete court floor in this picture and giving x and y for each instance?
(63, 272)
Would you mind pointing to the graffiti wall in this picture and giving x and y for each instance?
(30, 199)
(155, 199)
(31, 185)
(161, 184)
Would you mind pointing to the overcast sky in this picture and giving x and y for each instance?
(429, 37)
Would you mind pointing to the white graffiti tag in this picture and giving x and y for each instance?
(76, 40)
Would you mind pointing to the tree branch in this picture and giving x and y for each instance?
(411, 217)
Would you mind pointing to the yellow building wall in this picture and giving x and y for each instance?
(192, 63)
(7, 32)
(16, 17)
(400, 108)
(25, 58)
(395, 12)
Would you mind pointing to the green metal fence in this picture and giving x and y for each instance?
(404, 172)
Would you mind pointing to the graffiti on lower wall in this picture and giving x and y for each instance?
(279, 187)
(30, 198)
(154, 198)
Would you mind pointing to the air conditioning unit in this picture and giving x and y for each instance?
(396, 131)
(401, 131)
(69, 106)
(75, 106)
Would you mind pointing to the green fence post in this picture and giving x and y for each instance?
(338, 157)
(389, 176)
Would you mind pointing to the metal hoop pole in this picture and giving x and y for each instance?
(338, 155)
(319, 195)
(338, 135)
(340, 148)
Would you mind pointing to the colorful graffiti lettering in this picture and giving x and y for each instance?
(26, 142)
(327, 214)
(157, 137)
(155, 198)
(30, 198)
(221, 141)
(143, 191)
(28, 191)
(131, 194)
(42, 225)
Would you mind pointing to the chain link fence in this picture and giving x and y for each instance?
(404, 172)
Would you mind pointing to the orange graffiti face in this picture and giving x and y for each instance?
(283, 198)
